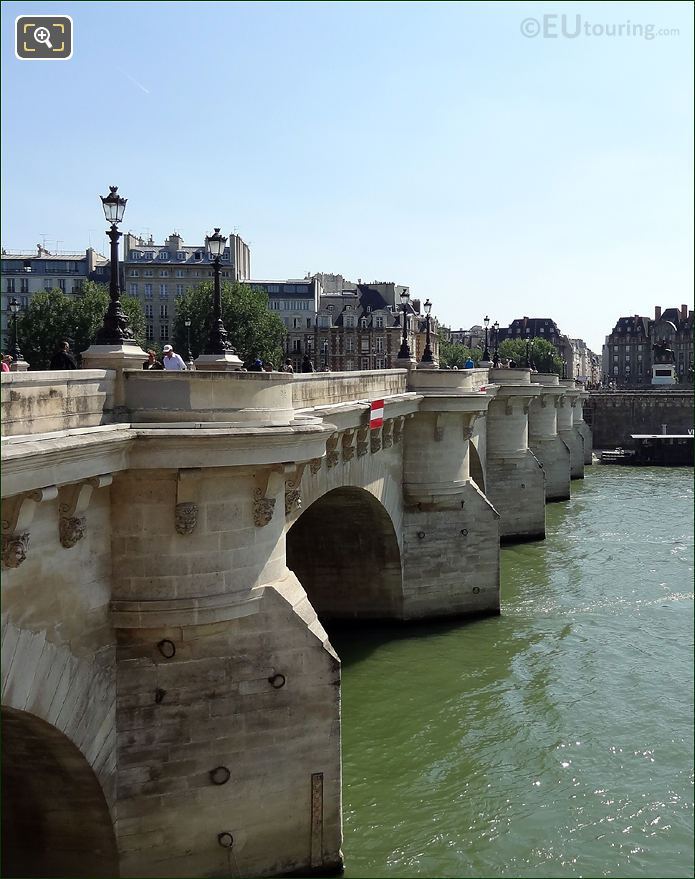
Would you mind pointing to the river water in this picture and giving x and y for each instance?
(554, 740)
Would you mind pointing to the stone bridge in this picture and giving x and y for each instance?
(172, 543)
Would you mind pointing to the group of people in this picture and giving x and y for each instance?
(170, 360)
(5, 362)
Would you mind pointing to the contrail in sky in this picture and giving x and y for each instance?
(135, 82)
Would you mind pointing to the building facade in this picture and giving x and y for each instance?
(628, 350)
(27, 272)
(157, 273)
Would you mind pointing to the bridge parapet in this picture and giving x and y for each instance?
(327, 388)
(41, 402)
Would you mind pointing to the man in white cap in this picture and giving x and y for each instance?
(171, 359)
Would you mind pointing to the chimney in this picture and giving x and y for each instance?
(657, 312)
(684, 312)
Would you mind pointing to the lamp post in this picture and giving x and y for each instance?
(14, 307)
(116, 329)
(404, 353)
(564, 368)
(217, 343)
(496, 353)
(486, 352)
(427, 353)
(325, 354)
(189, 354)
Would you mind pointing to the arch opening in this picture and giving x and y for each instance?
(344, 550)
(55, 820)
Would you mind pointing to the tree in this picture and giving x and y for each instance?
(251, 327)
(452, 354)
(54, 316)
(545, 355)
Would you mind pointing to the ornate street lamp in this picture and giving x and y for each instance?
(528, 354)
(564, 368)
(217, 343)
(404, 353)
(325, 354)
(14, 307)
(116, 328)
(189, 354)
(486, 352)
(427, 353)
(496, 353)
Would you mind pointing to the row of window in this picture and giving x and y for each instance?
(179, 273)
(48, 284)
(291, 305)
(134, 290)
(165, 255)
(163, 310)
(163, 332)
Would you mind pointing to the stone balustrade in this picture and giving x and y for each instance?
(329, 388)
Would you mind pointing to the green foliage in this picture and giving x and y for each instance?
(452, 354)
(54, 316)
(544, 354)
(251, 327)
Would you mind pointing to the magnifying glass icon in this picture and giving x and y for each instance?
(43, 35)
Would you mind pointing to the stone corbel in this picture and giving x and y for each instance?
(526, 406)
(387, 433)
(186, 511)
(545, 399)
(509, 407)
(332, 455)
(17, 515)
(315, 465)
(398, 429)
(268, 484)
(375, 440)
(348, 443)
(293, 490)
(438, 427)
(74, 500)
(362, 443)
(468, 424)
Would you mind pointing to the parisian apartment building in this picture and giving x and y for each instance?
(25, 272)
(157, 273)
(628, 351)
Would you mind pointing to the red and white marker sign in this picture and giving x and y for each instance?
(376, 416)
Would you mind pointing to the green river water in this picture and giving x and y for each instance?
(554, 740)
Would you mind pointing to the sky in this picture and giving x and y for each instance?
(477, 152)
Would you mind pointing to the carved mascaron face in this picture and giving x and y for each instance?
(186, 517)
(14, 549)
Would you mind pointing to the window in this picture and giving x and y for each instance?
(542, 329)
(273, 288)
(380, 363)
(349, 344)
(325, 320)
(148, 309)
(77, 287)
(150, 332)
(164, 331)
(164, 254)
(615, 370)
(179, 289)
(297, 346)
(379, 322)
(134, 273)
(363, 323)
(148, 254)
(198, 255)
(148, 273)
(179, 273)
(349, 364)
(225, 256)
(24, 301)
(10, 285)
(365, 362)
(133, 289)
(164, 310)
(148, 291)
(24, 285)
(349, 321)
(163, 291)
(163, 273)
(274, 305)
(297, 323)
(134, 254)
(380, 344)
(308, 323)
(364, 345)
(180, 255)
(48, 283)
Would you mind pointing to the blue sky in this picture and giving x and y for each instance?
(429, 144)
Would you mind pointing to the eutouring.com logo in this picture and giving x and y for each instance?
(553, 27)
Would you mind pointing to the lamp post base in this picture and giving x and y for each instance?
(19, 365)
(226, 362)
(405, 363)
(128, 355)
(428, 364)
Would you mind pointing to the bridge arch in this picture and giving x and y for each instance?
(55, 820)
(344, 550)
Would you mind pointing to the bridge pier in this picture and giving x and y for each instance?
(515, 478)
(450, 528)
(228, 689)
(572, 438)
(583, 428)
(544, 440)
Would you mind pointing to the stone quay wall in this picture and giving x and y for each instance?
(614, 416)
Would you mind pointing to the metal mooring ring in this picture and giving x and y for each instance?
(220, 775)
(226, 840)
(277, 681)
(167, 648)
